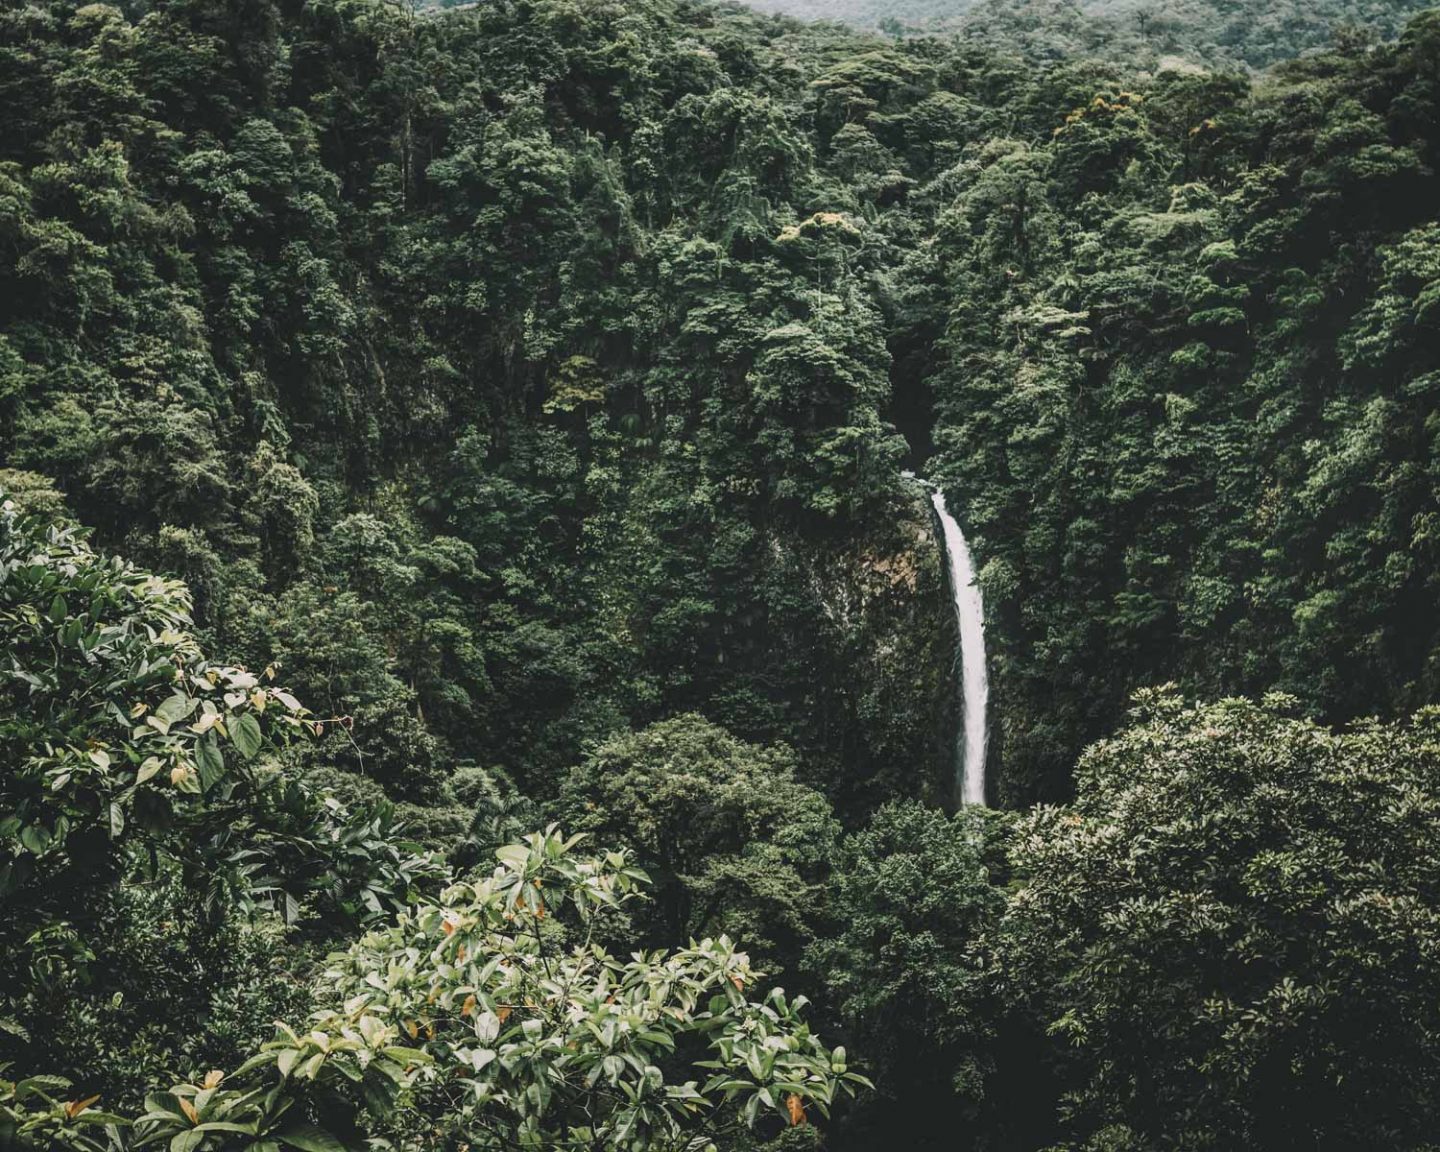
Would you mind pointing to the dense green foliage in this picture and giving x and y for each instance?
(911, 897)
(734, 843)
(144, 813)
(656, 475)
(523, 388)
(95, 860)
(117, 727)
(567, 1046)
(482, 1021)
(1248, 33)
(1185, 400)
(1231, 933)
(460, 367)
(1252, 34)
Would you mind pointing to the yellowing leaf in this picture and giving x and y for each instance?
(795, 1109)
(189, 1110)
(75, 1107)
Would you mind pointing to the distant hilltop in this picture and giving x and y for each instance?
(1252, 33)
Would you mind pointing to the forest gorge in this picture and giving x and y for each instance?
(477, 677)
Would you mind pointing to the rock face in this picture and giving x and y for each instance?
(875, 640)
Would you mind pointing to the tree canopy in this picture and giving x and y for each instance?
(1230, 932)
(422, 425)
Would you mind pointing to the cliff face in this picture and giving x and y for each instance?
(874, 638)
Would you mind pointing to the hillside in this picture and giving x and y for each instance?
(1216, 33)
(427, 436)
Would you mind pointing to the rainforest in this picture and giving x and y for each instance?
(649, 576)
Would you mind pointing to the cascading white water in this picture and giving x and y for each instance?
(974, 679)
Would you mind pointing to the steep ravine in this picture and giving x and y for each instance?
(885, 641)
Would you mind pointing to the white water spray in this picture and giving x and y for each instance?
(974, 679)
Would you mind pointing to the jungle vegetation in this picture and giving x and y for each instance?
(1246, 34)
(475, 676)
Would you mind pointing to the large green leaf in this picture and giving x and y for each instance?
(309, 1138)
(245, 731)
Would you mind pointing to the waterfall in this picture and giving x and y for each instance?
(974, 679)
